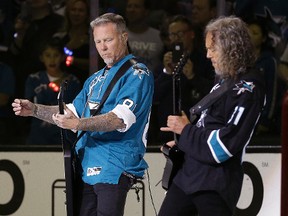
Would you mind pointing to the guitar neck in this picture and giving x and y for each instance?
(177, 108)
(177, 103)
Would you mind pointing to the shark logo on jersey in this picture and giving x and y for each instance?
(200, 122)
(140, 70)
(244, 86)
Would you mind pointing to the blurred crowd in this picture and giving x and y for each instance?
(43, 42)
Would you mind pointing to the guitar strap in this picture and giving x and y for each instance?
(209, 99)
(121, 71)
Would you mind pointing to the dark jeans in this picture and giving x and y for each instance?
(104, 199)
(204, 203)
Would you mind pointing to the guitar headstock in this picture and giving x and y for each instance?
(179, 66)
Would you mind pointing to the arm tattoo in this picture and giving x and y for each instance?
(44, 112)
(104, 123)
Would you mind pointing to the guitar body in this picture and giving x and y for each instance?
(174, 160)
(68, 158)
(174, 156)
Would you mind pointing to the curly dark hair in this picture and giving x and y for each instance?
(230, 37)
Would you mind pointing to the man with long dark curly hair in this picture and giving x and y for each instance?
(210, 179)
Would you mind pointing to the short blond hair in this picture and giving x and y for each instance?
(117, 19)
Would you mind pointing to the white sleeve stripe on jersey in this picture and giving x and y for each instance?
(123, 112)
(217, 148)
(72, 108)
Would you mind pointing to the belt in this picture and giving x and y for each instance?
(131, 176)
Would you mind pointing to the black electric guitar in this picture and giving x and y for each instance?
(174, 156)
(68, 157)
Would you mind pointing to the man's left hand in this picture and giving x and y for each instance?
(67, 120)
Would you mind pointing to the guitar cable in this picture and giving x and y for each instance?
(150, 192)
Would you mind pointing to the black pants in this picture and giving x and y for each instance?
(204, 203)
(104, 199)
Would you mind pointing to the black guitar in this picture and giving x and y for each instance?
(174, 156)
(68, 157)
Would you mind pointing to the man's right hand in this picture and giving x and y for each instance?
(23, 107)
(167, 62)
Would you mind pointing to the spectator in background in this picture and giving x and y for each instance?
(76, 38)
(202, 12)
(197, 76)
(6, 23)
(43, 87)
(146, 44)
(144, 41)
(8, 12)
(59, 6)
(38, 25)
(7, 88)
(267, 63)
(275, 14)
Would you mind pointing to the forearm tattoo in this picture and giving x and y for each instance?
(104, 123)
(44, 112)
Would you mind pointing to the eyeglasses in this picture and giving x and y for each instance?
(177, 35)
